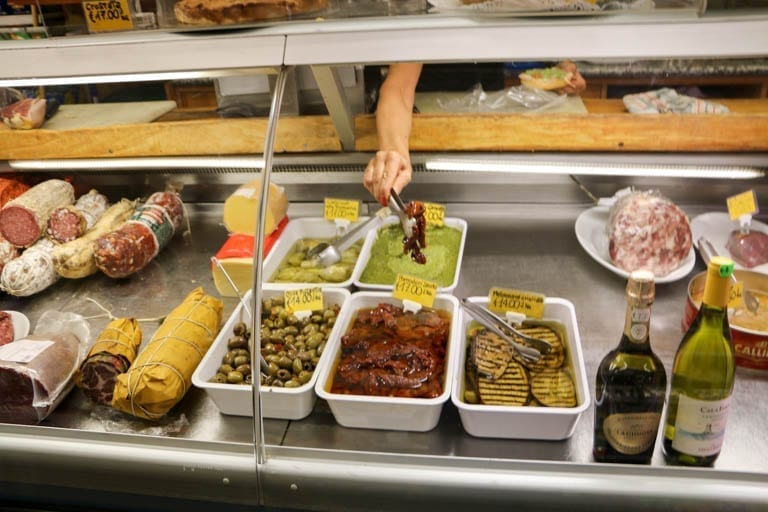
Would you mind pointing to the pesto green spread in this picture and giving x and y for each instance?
(387, 258)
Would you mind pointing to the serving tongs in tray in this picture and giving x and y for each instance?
(502, 329)
(396, 205)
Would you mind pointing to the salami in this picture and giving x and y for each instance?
(70, 222)
(34, 372)
(32, 272)
(647, 230)
(6, 328)
(23, 219)
(130, 248)
(8, 252)
(111, 355)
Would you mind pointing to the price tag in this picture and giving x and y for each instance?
(415, 289)
(742, 204)
(107, 15)
(303, 299)
(347, 209)
(735, 297)
(434, 213)
(530, 304)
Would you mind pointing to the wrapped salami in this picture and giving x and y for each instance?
(130, 248)
(162, 373)
(23, 219)
(30, 273)
(111, 355)
(70, 222)
(647, 230)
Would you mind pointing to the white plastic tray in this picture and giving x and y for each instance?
(523, 422)
(380, 412)
(365, 255)
(305, 227)
(280, 403)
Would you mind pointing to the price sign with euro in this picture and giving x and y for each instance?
(107, 15)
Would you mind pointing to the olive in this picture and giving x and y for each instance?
(331, 322)
(229, 357)
(268, 323)
(249, 378)
(237, 342)
(289, 338)
(240, 360)
(283, 374)
(471, 397)
(225, 368)
(308, 366)
(220, 378)
(316, 319)
(292, 320)
(268, 348)
(328, 314)
(314, 341)
(280, 322)
(267, 304)
(240, 329)
(293, 383)
(242, 352)
(272, 358)
(285, 362)
(278, 301)
(304, 376)
(235, 377)
(277, 383)
(298, 366)
(276, 311)
(272, 369)
(304, 355)
(292, 330)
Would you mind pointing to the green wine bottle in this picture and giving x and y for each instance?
(702, 377)
(630, 385)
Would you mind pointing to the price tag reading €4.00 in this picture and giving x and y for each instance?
(735, 298)
(434, 213)
(303, 299)
(415, 289)
(346, 209)
(107, 15)
(529, 304)
(742, 204)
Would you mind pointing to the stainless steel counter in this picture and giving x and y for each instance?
(314, 463)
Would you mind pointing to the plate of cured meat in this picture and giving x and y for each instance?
(594, 239)
(748, 250)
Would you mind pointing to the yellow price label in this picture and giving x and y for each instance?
(735, 297)
(303, 299)
(529, 304)
(107, 15)
(742, 204)
(434, 213)
(415, 289)
(347, 209)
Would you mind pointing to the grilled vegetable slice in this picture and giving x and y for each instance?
(554, 388)
(511, 388)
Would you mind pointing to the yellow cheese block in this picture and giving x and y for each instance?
(239, 270)
(241, 209)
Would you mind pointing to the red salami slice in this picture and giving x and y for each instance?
(23, 220)
(130, 248)
(647, 230)
(70, 222)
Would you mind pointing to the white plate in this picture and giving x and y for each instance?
(717, 227)
(590, 231)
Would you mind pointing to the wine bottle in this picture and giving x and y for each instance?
(630, 384)
(702, 377)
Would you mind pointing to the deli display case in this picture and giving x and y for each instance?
(520, 181)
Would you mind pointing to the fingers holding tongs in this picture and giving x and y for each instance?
(397, 206)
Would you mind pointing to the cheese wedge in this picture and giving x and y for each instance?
(241, 209)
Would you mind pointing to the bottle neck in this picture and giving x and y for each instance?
(637, 324)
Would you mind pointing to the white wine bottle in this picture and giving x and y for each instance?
(702, 377)
(630, 385)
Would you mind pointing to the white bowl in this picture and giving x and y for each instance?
(523, 422)
(380, 412)
(20, 324)
(280, 403)
(365, 255)
(297, 229)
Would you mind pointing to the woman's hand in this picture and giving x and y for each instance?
(387, 170)
(577, 82)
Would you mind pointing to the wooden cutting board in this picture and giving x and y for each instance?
(92, 115)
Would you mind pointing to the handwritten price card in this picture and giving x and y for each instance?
(742, 204)
(414, 289)
(107, 15)
(434, 213)
(303, 299)
(529, 304)
(346, 209)
(736, 295)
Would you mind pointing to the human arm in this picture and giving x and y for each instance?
(390, 167)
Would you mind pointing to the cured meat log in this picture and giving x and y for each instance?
(33, 374)
(162, 373)
(111, 355)
(8, 252)
(130, 248)
(647, 230)
(24, 219)
(11, 189)
(70, 222)
(30, 273)
(6, 328)
(26, 114)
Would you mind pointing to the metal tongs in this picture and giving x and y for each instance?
(328, 254)
(707, 251)
(397, 206)
(499, 327)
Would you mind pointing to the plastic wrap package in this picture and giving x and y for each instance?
(162, 373)
(511, 99)
(112, 354)
(36, 371)
(647, 231)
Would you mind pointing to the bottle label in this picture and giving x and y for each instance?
(638, 329)
(700, 425)
(631, 433)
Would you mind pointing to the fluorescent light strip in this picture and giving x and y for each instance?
(671, 171)
(118, 164)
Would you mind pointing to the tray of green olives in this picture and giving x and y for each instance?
(293, 345)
